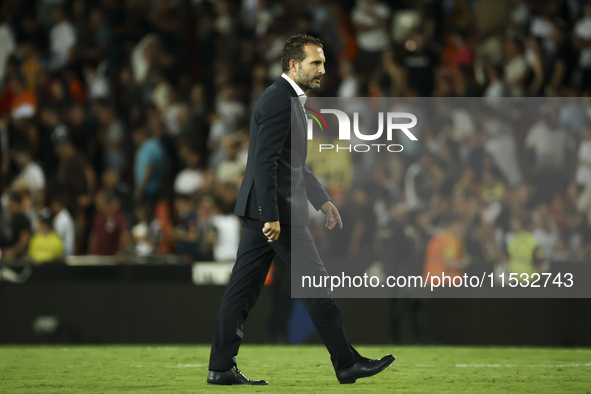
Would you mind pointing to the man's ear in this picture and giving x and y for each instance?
(295, 65)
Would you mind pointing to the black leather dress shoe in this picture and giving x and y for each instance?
(364, 368)
(232, 376)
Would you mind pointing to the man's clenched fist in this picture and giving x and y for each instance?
(272, 230)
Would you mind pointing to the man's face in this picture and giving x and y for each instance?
(57, 15)
(21, 159)
(60, 149)
(138, 138)
(13, 207)
(311, 69)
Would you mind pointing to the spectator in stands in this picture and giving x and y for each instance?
(499, 143)
(189, 180)
(82, 131)
(349, 86)
(583, 175)
(18, 233)
(28, 208)
(577, 234)
(420, 62)
(551, 147)
(199, 109)
(400, 242)
(112, 183)
(227, 194)
(534, 80)
(461, 54)
(149, 168)
(582, 43)
(147, 232)
(229, 113)
(523, 249)
(515, 66)
(112, 134)
(98, 39)
(557, 60)
(186, 231)
(4, 152)
(62, 40)
(231, 167)
(363, 221)
(7, 44)
(131, 101)
(110, 234)
(445, 253)
(63, 224)
(545, 230)
(128, 65)
(159, 132)
(227, 232)
(207, 232)
(31, 176)
(421, 180)
(73, 176)
(46, 246)
(23, 104)
(370, 18)
(189, 131)
(496, 86)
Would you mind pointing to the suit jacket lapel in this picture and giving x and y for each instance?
(302, 116)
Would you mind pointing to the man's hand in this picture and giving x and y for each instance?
(332, 215)
(272, 230)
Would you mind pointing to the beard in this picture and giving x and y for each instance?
(307, 81)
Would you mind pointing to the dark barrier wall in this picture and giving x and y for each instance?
(160, 305)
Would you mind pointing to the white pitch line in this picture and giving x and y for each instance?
(515, 365)
(497, 365)
(186, 366)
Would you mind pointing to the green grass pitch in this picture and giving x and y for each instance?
(293, 369)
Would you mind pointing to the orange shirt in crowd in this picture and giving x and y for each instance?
(23, 105)
(161, 213)
(76, 90)
(442, 247)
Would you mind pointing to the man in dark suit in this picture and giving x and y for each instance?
(273, 205)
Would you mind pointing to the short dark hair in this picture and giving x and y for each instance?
(143, 130)
(22, 149)
(16, 198)
(61, 199)
(294, 49)
(103, 103)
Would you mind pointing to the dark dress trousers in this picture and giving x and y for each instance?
(276, 187)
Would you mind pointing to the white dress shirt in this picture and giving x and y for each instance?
(301, 94)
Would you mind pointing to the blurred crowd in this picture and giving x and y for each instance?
(124, 124)
(493, 186)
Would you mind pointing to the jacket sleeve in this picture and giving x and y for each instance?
(316, 193)
(274, 123)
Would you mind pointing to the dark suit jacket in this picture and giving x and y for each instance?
(277, 182)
